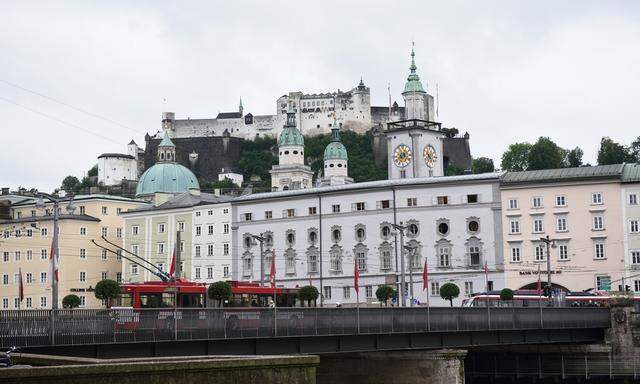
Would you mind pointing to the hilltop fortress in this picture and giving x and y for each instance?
(211, 146)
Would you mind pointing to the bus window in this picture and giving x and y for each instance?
(124, 300)
(191, 300)
(168, 300)
(149, 300)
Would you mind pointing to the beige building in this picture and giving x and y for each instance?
(204, 223)
(26, 241)
(581, 210)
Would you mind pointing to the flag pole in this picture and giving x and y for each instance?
(486, 285)
(20, 289)
(272, 277)
(356, 278)
(425, 286)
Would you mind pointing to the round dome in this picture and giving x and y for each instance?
(290, 136)
(335, 150)
(167, 178)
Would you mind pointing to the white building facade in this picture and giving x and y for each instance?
(114, 168)
(210, 252)
(454, 223)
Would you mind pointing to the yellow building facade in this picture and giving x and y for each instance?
(25, 247)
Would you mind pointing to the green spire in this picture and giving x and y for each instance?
(413, 81)
(166, 141)
(290, 135)
(335, 134)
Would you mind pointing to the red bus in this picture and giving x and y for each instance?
(162, 294)
(191, 296)
(532, 298)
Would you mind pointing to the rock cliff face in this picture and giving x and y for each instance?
(205, 156)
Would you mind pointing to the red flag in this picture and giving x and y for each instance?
(20, 286)
(425, 275)
(54, 259)
(172, 266)
(356, 274)
(272, 273)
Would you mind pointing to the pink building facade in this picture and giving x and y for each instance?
(581, 210)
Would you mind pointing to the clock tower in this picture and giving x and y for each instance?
(415, 145)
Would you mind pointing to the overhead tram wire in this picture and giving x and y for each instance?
(131, 253)
(58, 120)
(70, 106)
(160, 274)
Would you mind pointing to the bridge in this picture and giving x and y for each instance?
(268, 331)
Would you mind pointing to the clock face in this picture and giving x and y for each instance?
(429, 154)
(402, 155)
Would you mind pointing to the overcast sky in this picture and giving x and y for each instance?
(507, 71)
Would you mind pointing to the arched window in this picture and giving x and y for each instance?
(336, 235)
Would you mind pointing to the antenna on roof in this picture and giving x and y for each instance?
(389, 91)
(437, 103)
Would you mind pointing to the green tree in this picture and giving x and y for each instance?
(634, 151)
(70, 184)
(220, 290)
(93, 171)
(384, 293)
(516, 157)
(453, 170)
(574, 157)
(482, 165)
(545, 154)
(506, 294)
(308, 293)
(107, 290)
(449, 291)
(71, 301)
(450, 132)
(611, 152)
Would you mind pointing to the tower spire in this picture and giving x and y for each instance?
(240, 109)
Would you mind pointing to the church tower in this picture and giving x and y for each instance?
(418, 104)
(291, 172)
(166, 150)
(336, 171)
(415, 144)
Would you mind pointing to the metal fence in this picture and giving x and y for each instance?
(546, 365)
(84, 326)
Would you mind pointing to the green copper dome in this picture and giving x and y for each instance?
(335, 149)
(413, 81)
(290, 135)
(166, 178)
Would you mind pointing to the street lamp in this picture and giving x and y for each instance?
(40, 204)
(261, 239)
(401, 229)
(410, 255)
(551, 243)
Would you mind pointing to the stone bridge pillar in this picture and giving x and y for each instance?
(397, 367)
(620, 336)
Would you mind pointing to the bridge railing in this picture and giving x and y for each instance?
(84, 326)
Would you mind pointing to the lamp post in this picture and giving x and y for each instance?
(40, 204)
(401, 229)
(550, 243)
(261, 239)
(410, 254)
